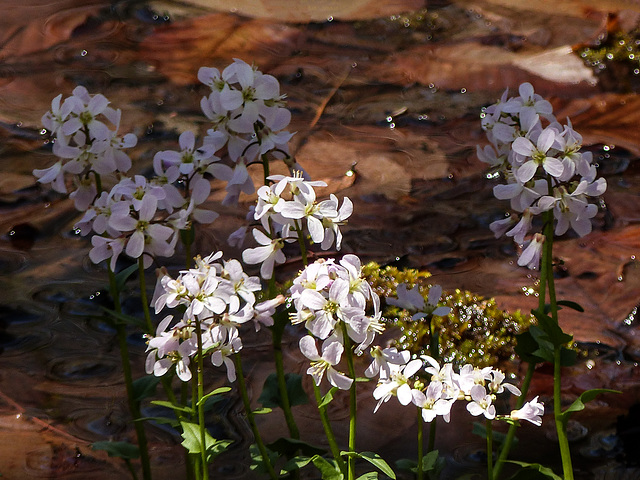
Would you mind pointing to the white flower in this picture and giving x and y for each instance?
(331, 354)
(269, 253)
(381, 360)
(432, 402)
(531, 255)
(531, 411)
(538, 155)
(397, 384)
(480, 403)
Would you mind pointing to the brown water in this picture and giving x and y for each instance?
(397, 95)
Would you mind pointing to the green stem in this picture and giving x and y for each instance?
(489, 449)
(563, 441)
(301, 242)
(134, 406)
(432, 436)
(328, 431)
(353, 403)
(200, 394)
(242, 386)
(277, 332)
(143, 296)
(131, 469)
(511, 433)
(420, 444)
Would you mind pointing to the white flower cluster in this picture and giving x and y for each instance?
(284, 208)
(84, 143)
(331, 299)
(142, 217)
(218, 299)
(248, 115)
(479, 387)
(540, 160)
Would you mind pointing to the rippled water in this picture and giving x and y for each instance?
(399, 97)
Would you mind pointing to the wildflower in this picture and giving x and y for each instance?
(531, 411)
(331, 354)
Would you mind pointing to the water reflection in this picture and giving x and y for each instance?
(398, 96)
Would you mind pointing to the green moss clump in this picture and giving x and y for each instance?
(476, 331)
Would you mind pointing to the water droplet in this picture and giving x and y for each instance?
(330, 18)
(83, 53)
(354, 64)
(43, 131)
(463, 90)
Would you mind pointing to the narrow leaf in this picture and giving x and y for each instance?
(170, 405)
(123, 450)
(123, 276)
(536, 467)
(570, 304)
(328, 397)
(217, 391)
(579, 403)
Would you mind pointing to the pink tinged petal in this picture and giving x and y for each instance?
(526, 91)
(135, 245)
(71, 126)
(332, 352)
(148, 207)
(523, 146)
(187, 140)
(309, 348)
(507, 192)
(161, 367)
(201, 191)
(553, 166)
(182, 370)
(97, 104)
(312, 299)
(527, 171)
(338, 380)
(547, 203)
(412, 368)
(267, 87)
(230, 99)
(546, 139)
(316, 230)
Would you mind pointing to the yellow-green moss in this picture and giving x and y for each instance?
(476, 331)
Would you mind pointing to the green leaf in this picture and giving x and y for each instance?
(270, 396)
(328, 397)
(329, 471)
(368, 476)
(262, 411)
(570, 304)
(568, 357)
(161, 420)
(191, 436)
(295, 463)
(533, 468)
(374, 459)
(429, 463)
(123, 276)
(579, 403)
(526, 346)
(145, 387)
(257, 462)
(217, 391)
(556, 336)
(289, 446)
(123, 450)
(177, 408)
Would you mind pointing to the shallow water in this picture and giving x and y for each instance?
(398, 96)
